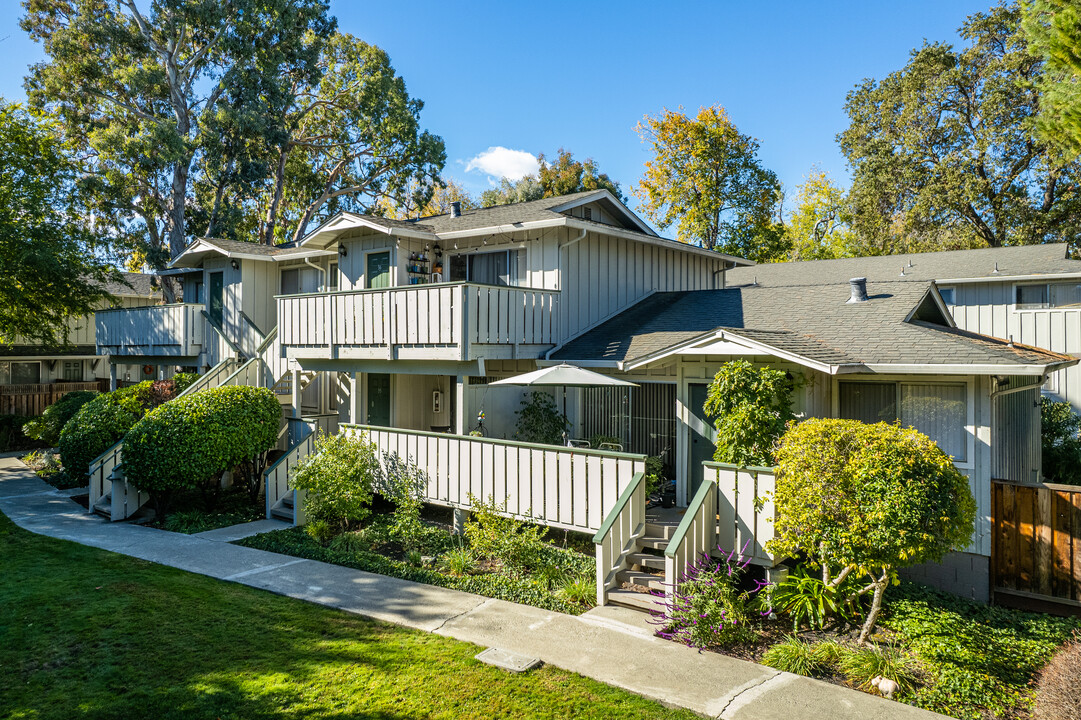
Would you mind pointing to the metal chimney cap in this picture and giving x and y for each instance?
(456, 209)
(859, 290)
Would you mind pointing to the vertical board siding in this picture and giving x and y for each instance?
(1037, 540)
(556, 486)
(745, 507)
(622, 526)
(150, 330)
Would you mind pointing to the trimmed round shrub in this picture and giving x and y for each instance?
(188, 443)
(100, 424)
(865, 500)
(47, 427)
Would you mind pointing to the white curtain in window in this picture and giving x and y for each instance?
(940, 412)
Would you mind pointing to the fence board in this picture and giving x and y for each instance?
(1037, 540)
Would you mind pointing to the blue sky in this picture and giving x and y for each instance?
(534, 77)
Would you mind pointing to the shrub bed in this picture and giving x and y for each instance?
(47, 427)
(12, 436)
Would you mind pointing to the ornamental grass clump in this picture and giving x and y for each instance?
(861, 501)
(709, 608)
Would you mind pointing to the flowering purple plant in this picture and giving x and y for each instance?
(708, 608)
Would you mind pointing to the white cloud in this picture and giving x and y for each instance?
(503, 162)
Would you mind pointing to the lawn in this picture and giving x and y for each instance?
(88, 633)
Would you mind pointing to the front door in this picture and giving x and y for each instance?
(216, 301)
(377, 272)
(378, 399)
(702, 446)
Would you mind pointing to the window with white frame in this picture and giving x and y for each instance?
(938, 410)
(500, 267)
(1047, 295)
(332, 277)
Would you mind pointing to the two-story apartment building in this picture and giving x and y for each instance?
(397, 328)
(32, 376)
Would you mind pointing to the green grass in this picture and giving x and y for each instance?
(90, 634)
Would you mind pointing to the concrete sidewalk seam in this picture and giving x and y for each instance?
(473, 609)
(265, 568)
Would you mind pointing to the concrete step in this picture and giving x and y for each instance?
(653, 543)
(641, 579)
(646, 560)
(659, 530)
(643, 602)
(282, 513)
(104, 506)
(287, 500)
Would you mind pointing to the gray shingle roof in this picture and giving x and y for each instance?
(814, 322)
(249, 248)
(950, 264)
(135, 284)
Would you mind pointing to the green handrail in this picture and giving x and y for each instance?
(500, 441)
(613, 514)
(688, 518)
(730, 466)
(221, 332)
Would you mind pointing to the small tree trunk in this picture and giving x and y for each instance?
(876, 608)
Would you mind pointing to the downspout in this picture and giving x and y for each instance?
(309, 263)
(581, 236)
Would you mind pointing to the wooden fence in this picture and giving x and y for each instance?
(31, 400)
(557, 486)
(1036, 547)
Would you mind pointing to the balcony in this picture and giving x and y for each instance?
(460, 321)
(152, 331)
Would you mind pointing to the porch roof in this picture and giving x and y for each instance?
(950, 266)
(901, 328)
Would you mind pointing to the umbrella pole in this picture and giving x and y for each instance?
(566, 435)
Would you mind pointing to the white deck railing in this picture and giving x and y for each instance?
(732, 509)
(442, 315)
(559, 487)
(171, 330)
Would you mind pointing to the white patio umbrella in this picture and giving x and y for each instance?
(564, 375)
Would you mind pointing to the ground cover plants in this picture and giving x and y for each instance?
(89, 633)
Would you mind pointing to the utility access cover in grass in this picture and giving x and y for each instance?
(508, 660)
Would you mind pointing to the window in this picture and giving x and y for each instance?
(502, 267)
(20, 373)
(948, 295)
(299, 280)
(332, 277)
(1048, 295)
(938, 410)
(72, 371)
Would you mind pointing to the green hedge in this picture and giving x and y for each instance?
(47, 427)
(11, 434)
(191, 441)
(101, 423)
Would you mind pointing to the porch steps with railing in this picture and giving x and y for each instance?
(284, 509)
(284, 384)
(644, 574)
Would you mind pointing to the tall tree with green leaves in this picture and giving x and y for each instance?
(444, 193)
(524, 189)
(942, 152)
(137, 87)
(705, 178)
(565, 175)
(819, 227)
(351, 142)
(51, 268)
(1053, 31)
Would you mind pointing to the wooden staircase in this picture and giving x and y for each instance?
(284, 384)
(284, 509)
(645, 574)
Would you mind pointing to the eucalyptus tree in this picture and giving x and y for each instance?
(136, 87)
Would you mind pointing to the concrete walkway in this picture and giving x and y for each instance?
(610, 644)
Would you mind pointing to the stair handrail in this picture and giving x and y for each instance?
(616, 537)
(276, 477)
(268, 340)
(221, 332)
(696, 534)
(101, 468)
(209, 376)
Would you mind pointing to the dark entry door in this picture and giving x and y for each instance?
(702, 446)
(379, 399)
(378, 270)
(216, 301)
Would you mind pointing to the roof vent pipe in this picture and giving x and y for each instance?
(456, 209)
(859, 290)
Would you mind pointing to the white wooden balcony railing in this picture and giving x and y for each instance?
(444, 321)
(170, 330)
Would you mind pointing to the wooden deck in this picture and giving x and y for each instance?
(459, 321)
